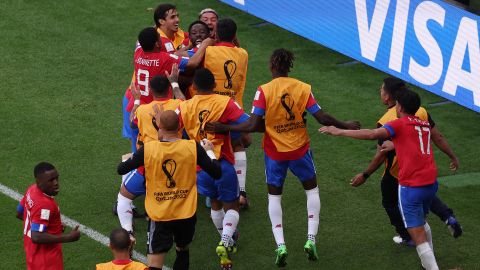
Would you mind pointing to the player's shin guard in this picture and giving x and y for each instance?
(182, 261)
(230, 222)
(125, 212)
(217, 218)
(275, 213)
(241, 168)
(313, 212)
(428, 232)
(426, 256)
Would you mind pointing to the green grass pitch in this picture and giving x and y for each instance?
(64, 66)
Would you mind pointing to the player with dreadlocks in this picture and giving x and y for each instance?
(283, 103)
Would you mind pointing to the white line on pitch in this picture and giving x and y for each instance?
(93, 234)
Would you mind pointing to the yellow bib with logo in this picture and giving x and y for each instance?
(389, 116)
(198, 111)
(286, 100)
(130, 266)
(170, 179)
(147, 131)
(229, 67)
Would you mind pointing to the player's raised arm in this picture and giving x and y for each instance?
(173, 79)
(197, 58)
(362, 134)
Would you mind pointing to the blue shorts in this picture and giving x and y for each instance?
(224, 189)
(414, 203)
(276, 170)
(135, 183)
(127, 131)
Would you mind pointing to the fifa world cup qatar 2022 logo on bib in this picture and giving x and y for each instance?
(169, 166)
(202, 117)
(229, 67)
(287, 103)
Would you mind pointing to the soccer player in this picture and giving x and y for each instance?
(42, 225)
(210, 17)
(120, 246)
(134, 182)
(171, 197)
(279, 110)
(167, 20)
(229, 64)
(389, 184)
(417, 175)
(194, 113)
(149, 61)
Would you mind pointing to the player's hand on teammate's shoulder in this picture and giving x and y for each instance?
(330, 130)
(358, 180)
(206, 144)
(353, 124)
(215, 127)
(74, 235)
(387, 146)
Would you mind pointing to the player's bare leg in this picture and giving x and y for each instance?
(424, 248)
(313, 217)
(156, 261)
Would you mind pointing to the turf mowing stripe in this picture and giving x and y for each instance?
(93, 234)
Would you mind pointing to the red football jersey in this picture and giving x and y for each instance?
(411, 137)
(41, 214)
(151, 64)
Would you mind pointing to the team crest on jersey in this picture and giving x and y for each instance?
(45, 214)
(169, 47)
(287, 103)
(169, 167)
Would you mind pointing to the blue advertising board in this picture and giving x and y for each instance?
(431, 44)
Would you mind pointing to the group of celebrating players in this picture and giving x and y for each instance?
(183, 113)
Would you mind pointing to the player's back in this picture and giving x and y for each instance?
(286, 100)
(411, 137)
(391, 114)
(147, 129)
(121, 265)
(229, 67)
(148, 65)
(198, 111)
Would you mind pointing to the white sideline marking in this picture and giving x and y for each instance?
(93, 234)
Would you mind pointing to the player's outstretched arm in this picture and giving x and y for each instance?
(253, 124)
(442, 144)
(361, 134)
(46, 238)
(197, 58)
(373, 166)
(328, 120)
